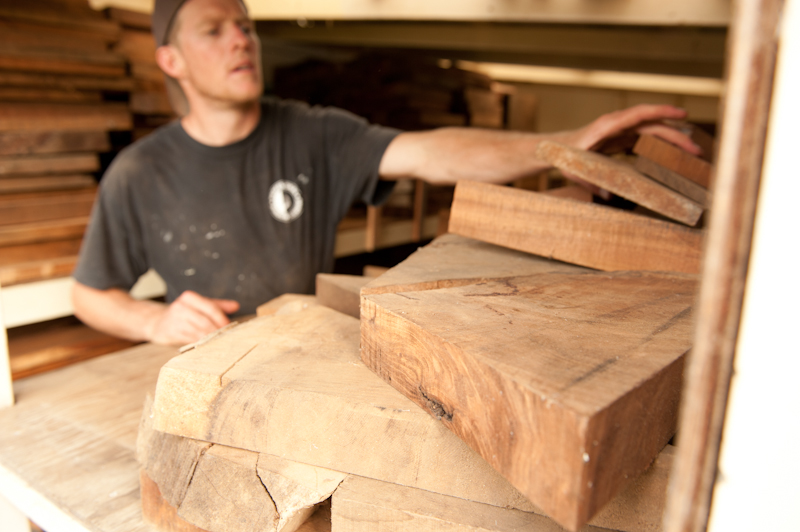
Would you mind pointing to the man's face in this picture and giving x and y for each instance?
(220, 50)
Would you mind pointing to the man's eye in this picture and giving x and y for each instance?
(212, 31)
(246, 29)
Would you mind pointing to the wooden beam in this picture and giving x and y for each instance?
(63, 62)
(28, 208)
(620, 179)
(674, 180)
(754, 44)
(66, 82)
(37, 270)
(64, 117)
(674, 158)
(581, 233)
(13, 185)
(30, 233)
(544, 375)
(6, 391)
(341, 292)
(49, 164)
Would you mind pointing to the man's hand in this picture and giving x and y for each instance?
(641, 119)
(189, 318)
(186, 320)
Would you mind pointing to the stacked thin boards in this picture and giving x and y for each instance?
(55, 72)
(289, 389)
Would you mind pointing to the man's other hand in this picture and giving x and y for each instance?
(189, 318)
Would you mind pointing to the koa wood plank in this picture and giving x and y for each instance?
(66, 82)
(30, 233)
(620, 179)
(670, 156)
(39, 207)
(39, 142)
(566, 383)
(341, 292)
(36, 270)
(365, 505)
(580, 233)
(64, 117)
(9, 185)
(49, 164)
(674, 180)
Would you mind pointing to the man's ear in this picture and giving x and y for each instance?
(170, 60)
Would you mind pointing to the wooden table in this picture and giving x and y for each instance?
(67, 448)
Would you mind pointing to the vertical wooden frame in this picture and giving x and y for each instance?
(6, 391)
(751, 63)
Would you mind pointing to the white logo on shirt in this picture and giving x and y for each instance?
(285, 201)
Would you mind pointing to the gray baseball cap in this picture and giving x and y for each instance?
(163, 14)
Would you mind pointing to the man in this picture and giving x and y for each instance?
(239, 200)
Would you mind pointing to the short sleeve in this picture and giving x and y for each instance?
(112, 253)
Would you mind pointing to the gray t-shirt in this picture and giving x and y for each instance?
(248, 221)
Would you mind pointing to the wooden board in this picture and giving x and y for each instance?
(286, 304)
(581, 233)
(30, 233)
(365, 505)
(129, 19)
(64, 117)
(137, 45)
(674, 158)
(56, 16)
(20, 34)
(67, 447)
(10, 185)
(28, 208)
(39, 270)
(46, 346)
(620, 179)
(20, 94)
(306, 366)
(341, 292)
(566, 383)
(39, 251)
(224, 489)
(674, 180)
(63, 62)
(49, 164)
(151, 103)
(66, 82)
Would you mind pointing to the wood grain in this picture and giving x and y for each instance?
(64, 117)
(157, 512)
(365, 505)
(286, 304)
(620, 179)
(10, 185)
(39, 251)
(49, 164)
(754, 38)
(566, 383)
(674, 180)
(341, 292)
(38, 270)
(30, 233)
(586, 234)
(136, 45)
(28, 208)
(62, 62)
(674, 158)
(129, 19)
(66, 82)
(40, 142)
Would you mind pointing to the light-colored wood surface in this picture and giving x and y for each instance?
(286, 304)
(341, 292)
(365, 505)
(13, 520)
(566, 383)
(157, 512)
(6, 391)
(586, 234)
(674, 158)
(674, 180)
(754, 37)
(646, 12)
(620, 179)
(67, 448)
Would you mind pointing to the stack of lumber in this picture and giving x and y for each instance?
(407, 94)
(56, 77)
(253, 412)
(149, 102)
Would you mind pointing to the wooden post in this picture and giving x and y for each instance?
(419, 210)
(751, 66)
(373, 228)
(6, 391)
(764, 404)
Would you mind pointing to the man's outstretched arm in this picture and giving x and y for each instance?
(186, 320)
(446, 155)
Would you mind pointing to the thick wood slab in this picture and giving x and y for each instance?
(365, 505)
(566, 383)
(286, 304)
(674, 180)
(341, 292)
(621, 179)
(278, 380)
(586, 234)
(674, 158)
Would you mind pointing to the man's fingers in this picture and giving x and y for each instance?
(673, 136)
(205, 306)
(228, 306)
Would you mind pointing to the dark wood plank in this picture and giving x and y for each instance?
(751, 65)
(341, 292)
(674, 158)
(49, 164)
(9, 185)
(30, 233)
(20, 94)
(138, 46)
(674, 180)
(61, 61)
(568, 384)
(620, 179)
(27, 272)
(129, 19)
(28, 208)
(42, 251)
(64, 117)
(35, 142)
(66, 82)
(581, 233)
